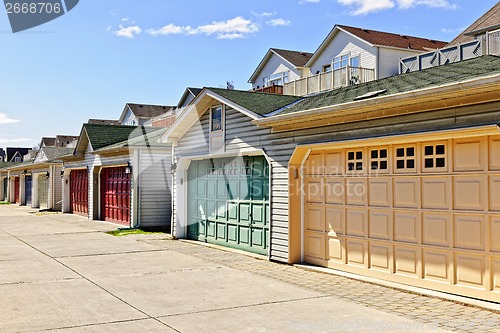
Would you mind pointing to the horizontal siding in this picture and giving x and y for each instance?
(155, 183)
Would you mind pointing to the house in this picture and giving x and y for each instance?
(3, 155)
(277, 68)
(347, 56)
(36, 183)
(16, 154)
(396, 179)
(140, 114)
(189, 94)
(4, 180)
(103, 122)
(480, 38)
(119, 174)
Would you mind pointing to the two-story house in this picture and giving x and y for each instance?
(141, 114)
(347, 56)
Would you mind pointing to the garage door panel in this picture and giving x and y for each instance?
(469, 232)
(470, 192)
(495, 274)
(407, 226)
(437, 229)
(470, 154)
(115, 195)
(494, 186)
(494, 153)
(406, 261)
(334, 162)
(334, 190)
(407, 192)
(380, 256)
(356, 191)
(43, 192)
(314, 243)
(470, 270)
(258, 214)
(221, 231)
(315, 217)
(495, 233)
(437, 265)
(380, 224)
(232, 233)
(356, 222)
(334, 220)
(315, 191)
(79, 191)
(436, 192)
(356, 252)
(244, 235)
(380, 191)
(336, 249)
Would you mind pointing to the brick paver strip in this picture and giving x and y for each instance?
(447, 314)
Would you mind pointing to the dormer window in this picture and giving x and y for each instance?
(216, 129)
(17, 159)
(216, 119)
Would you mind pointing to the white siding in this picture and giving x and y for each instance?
(275, 65)
(343, 43)
(389, 61)
(154, 188)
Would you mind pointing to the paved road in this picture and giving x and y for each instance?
(62, 273)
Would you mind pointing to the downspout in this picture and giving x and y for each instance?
(377, 68)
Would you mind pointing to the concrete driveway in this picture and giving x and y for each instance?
(63, 273)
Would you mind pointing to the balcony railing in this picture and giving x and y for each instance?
(274, 89)
(329, 80)
(489, 44)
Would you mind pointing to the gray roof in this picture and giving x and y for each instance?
(54, 153)
(427, 78)
(148, 111)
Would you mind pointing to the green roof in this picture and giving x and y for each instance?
(6, 165)
(105, 135)
(148, 138)
(259, 103)
(427, 78)
(54, 153)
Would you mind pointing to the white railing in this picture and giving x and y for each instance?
(328, 81)
(489, 44)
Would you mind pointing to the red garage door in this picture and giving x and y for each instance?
(79, 189)
(115, 195)
(17, 197)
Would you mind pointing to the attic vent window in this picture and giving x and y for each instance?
(370, 94)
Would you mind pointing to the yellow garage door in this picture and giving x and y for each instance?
(424, 213)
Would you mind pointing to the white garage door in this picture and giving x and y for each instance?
(424, 213)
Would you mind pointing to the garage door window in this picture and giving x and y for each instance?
(435, 157)
(379, 160)
(405, 159)
(355, 160)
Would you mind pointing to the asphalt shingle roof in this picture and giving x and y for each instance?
(394, 40)
(53, 153)
(105, 135)
(431, 77)
(259, 103)
(144, 138)
(296, 58)
(148, 111)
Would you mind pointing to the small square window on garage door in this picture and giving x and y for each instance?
(355, 160)
(434, 157)
(405, 159)
(379, 160)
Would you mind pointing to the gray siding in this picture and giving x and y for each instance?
(154, 188)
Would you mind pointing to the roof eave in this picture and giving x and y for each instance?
(303, 119)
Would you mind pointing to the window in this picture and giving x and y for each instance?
(17, 159)
(277, 79)
(405, 158)
(216, 119)
(342, 61)
(327, 68)
(379, 159)
(354, 160)
(435, 156)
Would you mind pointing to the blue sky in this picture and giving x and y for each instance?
(105, 53)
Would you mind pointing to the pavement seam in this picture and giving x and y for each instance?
(109, 254)
(95, 284)
(96, 324)
(246, 306)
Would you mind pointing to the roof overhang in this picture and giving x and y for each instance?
(192, 113)
(447, 96)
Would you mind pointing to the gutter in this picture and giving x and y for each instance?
(490, 83)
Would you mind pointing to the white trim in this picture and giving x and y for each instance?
(233, 105)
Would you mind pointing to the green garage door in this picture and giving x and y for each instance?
(228, 202)
(43, 191)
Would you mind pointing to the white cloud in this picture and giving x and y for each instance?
(237, 27)
(362, 7)
(125, 19)
(128, 32)
(308, 1)
(264, 14)
(5, 119)
(278, 22)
